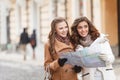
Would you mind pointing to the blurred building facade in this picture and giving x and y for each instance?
(37, 14)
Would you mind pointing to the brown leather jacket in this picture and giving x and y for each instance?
(59, 73)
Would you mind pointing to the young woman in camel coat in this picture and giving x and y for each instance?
(58, 43)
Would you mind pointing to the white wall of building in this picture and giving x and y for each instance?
(75, 9)
(97, 14)
(3, 25)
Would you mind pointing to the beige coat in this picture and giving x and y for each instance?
(59, 73)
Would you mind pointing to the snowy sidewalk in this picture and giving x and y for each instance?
(15, 56)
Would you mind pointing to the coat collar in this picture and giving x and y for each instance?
(59, 46)
(101, 39)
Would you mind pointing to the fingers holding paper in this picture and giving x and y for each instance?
(103, 57)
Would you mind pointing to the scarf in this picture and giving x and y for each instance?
(86, 41)
(63, 39)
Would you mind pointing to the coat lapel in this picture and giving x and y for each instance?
(59, 46)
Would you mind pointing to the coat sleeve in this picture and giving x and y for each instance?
(106, 48)
(48, 60)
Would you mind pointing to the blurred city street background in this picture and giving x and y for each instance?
(13, 67)
(38, 14)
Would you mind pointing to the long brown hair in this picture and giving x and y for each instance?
(52, 33)
(75, 37)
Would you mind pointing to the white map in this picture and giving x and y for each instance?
(88, 56)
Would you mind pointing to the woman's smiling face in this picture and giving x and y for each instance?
(83, 29)
(62, 29)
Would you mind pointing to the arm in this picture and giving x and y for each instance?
(48, 60)
(107, 54)
(20, 39)
(79, 48)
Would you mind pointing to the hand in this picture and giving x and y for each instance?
(79, 48)
(77, 69)
(61, 61)
(103, 57)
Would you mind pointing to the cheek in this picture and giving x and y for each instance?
(58, 31)
(79, 31)
(87, 29)
(67, 30)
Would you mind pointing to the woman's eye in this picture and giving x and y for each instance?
(66, 26)
(60, 28)
(85, 26)
(79, 27)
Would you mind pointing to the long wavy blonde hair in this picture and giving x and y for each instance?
(52, 33)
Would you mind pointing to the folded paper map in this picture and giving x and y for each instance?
(81, 58)
(89, 56)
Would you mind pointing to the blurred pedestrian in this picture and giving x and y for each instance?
(83, 35)
(33, 42)
(58, 43)
(24, 40)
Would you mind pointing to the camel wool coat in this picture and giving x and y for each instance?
(59, 73)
